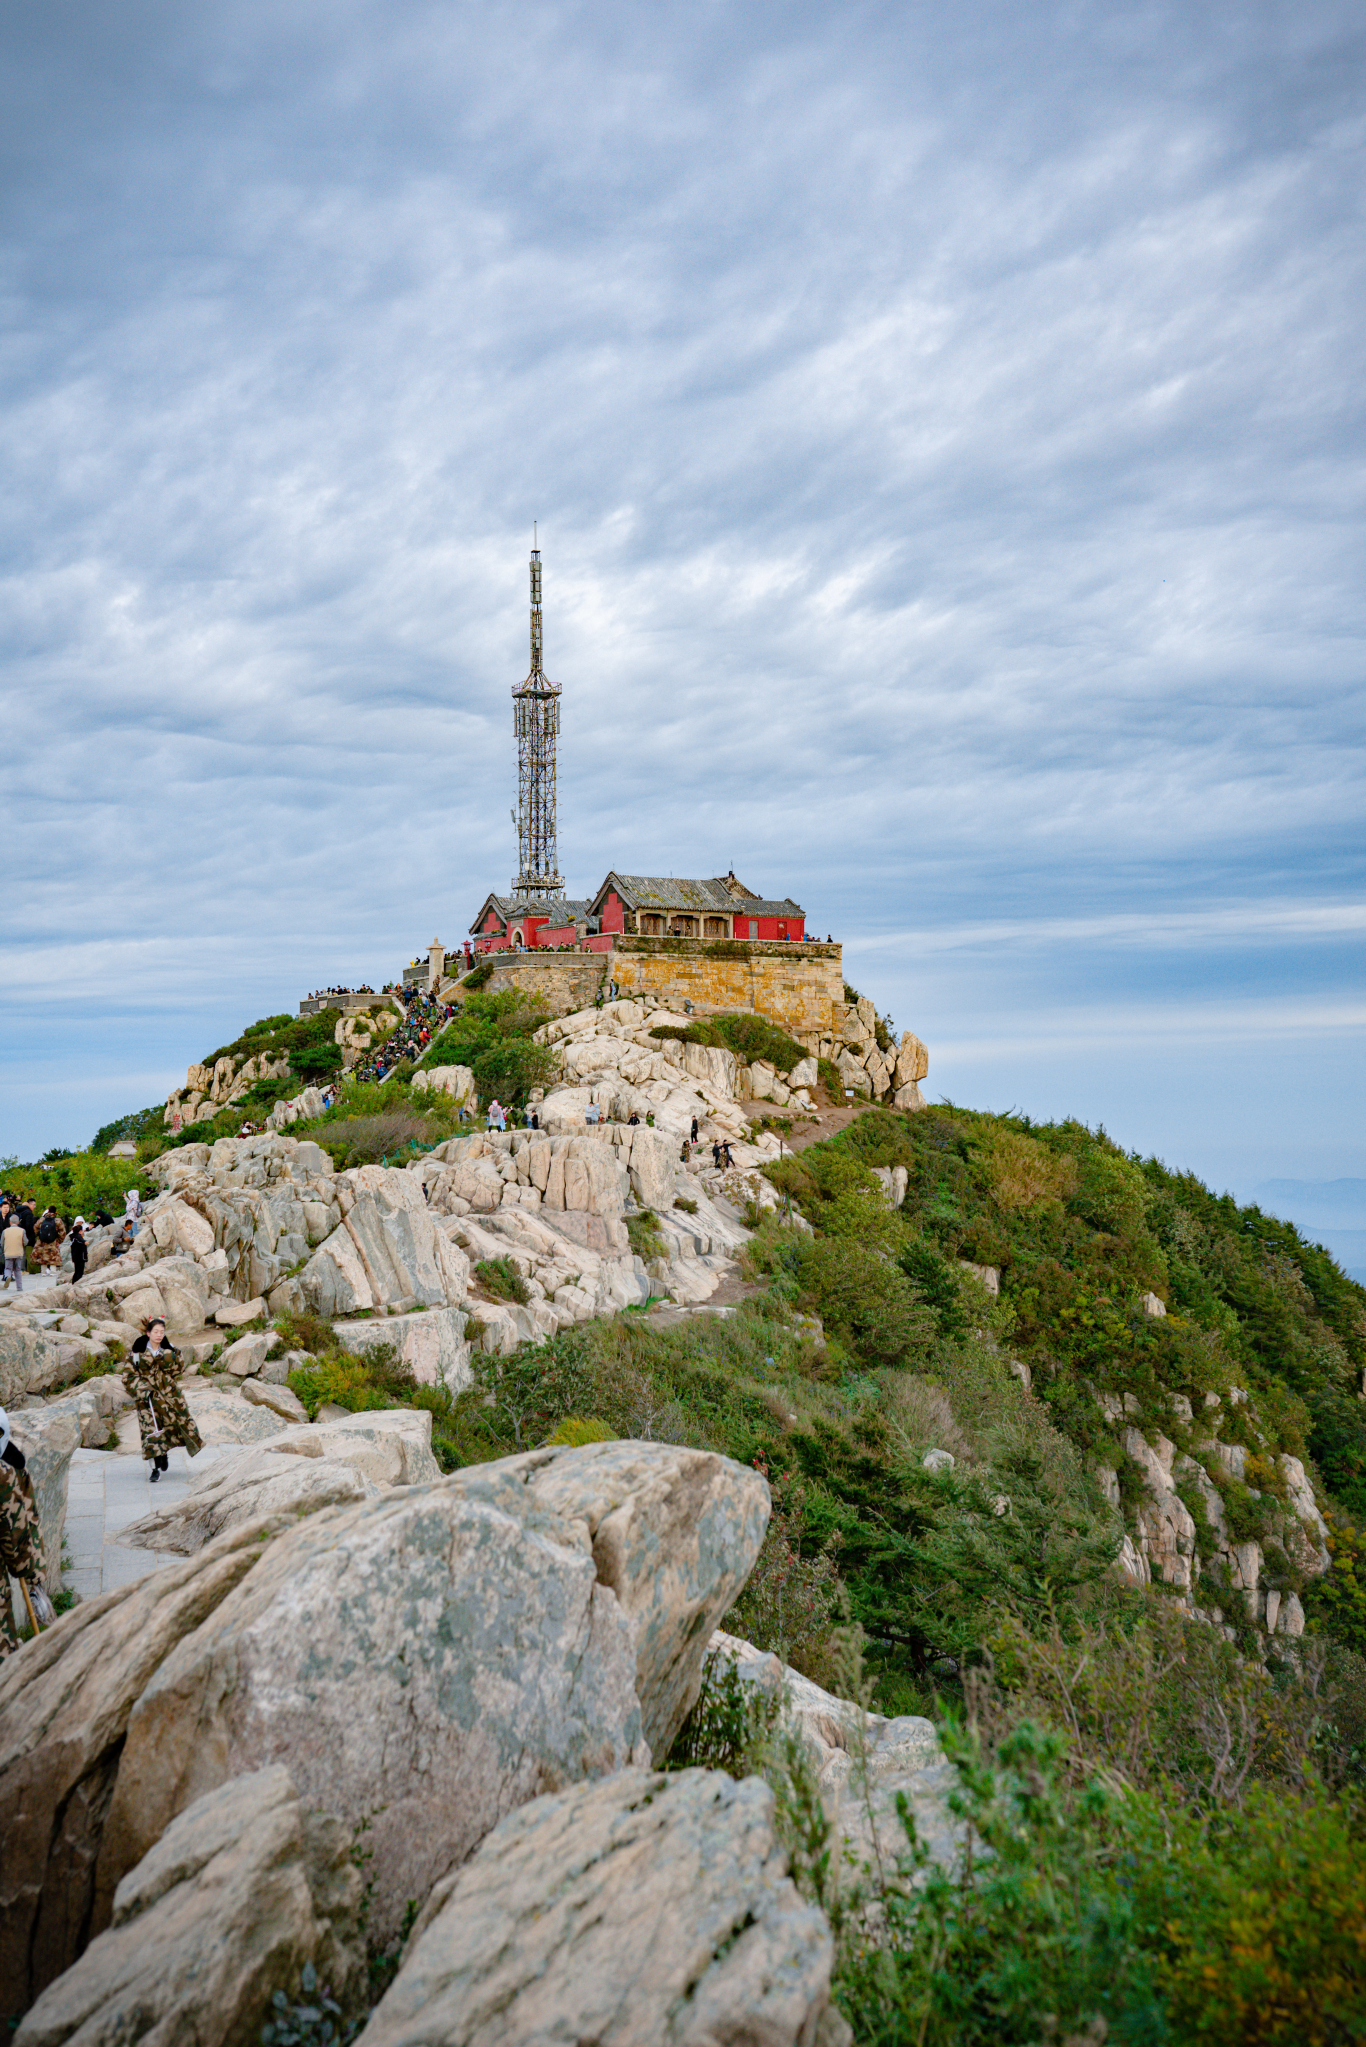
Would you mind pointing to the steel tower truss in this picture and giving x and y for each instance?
(536, 721)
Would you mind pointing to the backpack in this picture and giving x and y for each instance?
(47, 1230)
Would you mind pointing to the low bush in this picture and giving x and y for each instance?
(501, 1279)
(1091, 1912)
(646, 1237)
(748, 1036)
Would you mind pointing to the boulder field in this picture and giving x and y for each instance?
(369, 1695)
(193, 1768)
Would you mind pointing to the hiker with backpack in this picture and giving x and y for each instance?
(50, 1235)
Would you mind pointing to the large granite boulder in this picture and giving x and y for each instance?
(64, 1707)
(386, 1249)
(430, 1342)
(423, 1663)
(675, 1533)
(31, 1360)
(241, 1891)
(243, 1489)
(648, 1908)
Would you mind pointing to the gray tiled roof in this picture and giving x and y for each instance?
(717, 895)
(560, 909)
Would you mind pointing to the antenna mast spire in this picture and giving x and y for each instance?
(536, 722)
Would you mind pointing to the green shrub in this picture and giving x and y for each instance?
(748, 1036)
(646, 1237)
(363, 1381)
(1090, 1912)
(577, 1429)
(495, 1036)
(501, 1278)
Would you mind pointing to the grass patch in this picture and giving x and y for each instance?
(502, 1280)
(748, 1036)
(646, 1237)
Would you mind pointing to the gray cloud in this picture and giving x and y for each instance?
(945, 429)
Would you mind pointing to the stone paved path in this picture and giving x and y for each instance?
(107, 1491)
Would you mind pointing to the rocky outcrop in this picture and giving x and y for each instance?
(433, 1344)
(674, 1532)
(647, 1908)
(241, 1490)
(64, 1709)
(863, 1763)
(455, 1081)
(459, 1644)
(242, 1890)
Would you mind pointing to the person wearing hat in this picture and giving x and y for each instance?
(150, 1376)
(21, 1541)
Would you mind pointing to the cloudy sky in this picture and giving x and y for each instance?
(945, 427)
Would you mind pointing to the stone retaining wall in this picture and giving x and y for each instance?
(796, 984)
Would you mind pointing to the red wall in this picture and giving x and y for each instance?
(770, 927)
(613, 912)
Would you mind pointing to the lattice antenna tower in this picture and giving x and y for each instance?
(536, 721)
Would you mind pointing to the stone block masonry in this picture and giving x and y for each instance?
(798, 985)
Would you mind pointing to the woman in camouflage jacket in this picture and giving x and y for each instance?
(150, 1376)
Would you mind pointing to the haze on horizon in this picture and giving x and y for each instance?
(946, 434)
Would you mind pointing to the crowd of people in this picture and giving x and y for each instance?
(410, 1039)
(321, 994)
(45, 1236)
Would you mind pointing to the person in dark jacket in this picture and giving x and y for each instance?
(80, 1250)
(150, 1376)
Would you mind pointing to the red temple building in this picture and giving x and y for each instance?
(645, 905)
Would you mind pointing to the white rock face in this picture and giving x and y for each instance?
(240, 1891)
(455, 1081)
(457, 1642)
(433, 1345)
(901, 1755)
(648, 1908)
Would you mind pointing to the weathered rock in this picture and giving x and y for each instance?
(31, 1361)
(177, 1226)
(806, 1073)
(220, 1417)
(281, 1399)
(908, 1098)
(432, 1344)
(231, 1314)
(248, 1354)
(455, 1081)
(653, 1165)
(389, 1445)
(239, 1893)
(912, 1061)
(238, 1491)
(675, 1533)
(48, 1438)
(424, 1663)
(64, 1706)
(843, 1742)
(388, 1248)
(650, 1908)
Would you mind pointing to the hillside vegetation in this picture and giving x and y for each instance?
(1170, 1808)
